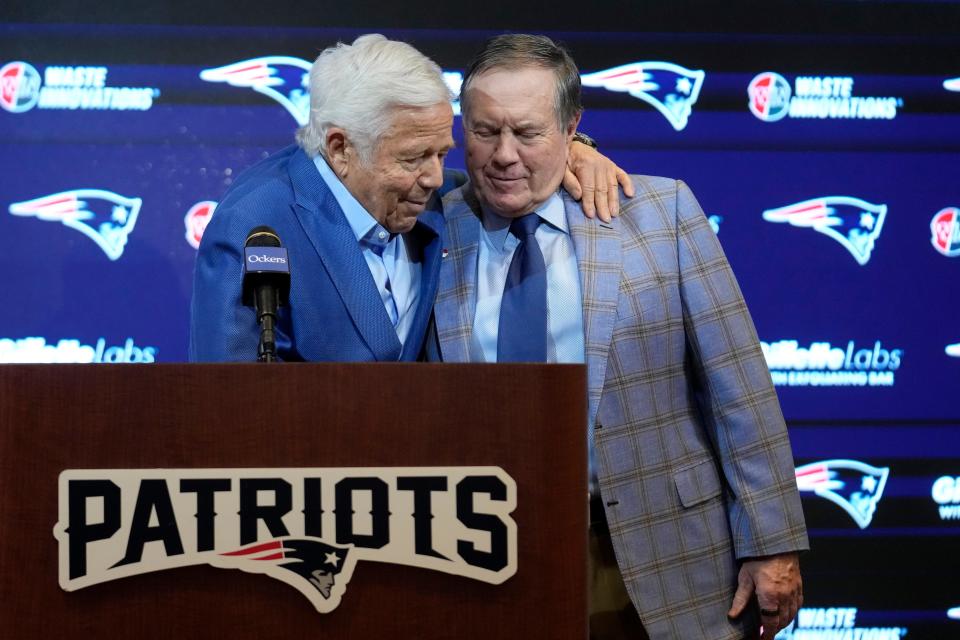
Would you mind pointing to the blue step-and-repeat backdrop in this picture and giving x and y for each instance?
(828, 164)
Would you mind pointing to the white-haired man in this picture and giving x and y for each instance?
(696, 519)
(354, 204)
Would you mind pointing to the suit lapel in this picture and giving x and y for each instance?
(456, 294)
(426, 237)
(333, 239)
(598, 250)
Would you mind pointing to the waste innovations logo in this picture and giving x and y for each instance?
(105, 217)
(279, 522)
(61, 87)
(196, 221)
(854, 486)
(824, 365)
(771, 99)
(669, 88)
(835, 623)
(70, 350)
(945, 232)
(286, 79)
(946, 493)
(854, 223)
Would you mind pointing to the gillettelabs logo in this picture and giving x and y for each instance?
(196, 221)
(83, 88)
(669, 88)
(105, 217)
(824, 365)
(945, 232)
(946, 493)
(854, 223)
(820, 97)
(286, 79)
(70, 350)
(854, 486)
(309, 528)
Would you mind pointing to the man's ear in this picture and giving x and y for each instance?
(572, 128)
(338, 151)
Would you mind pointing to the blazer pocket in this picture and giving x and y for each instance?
(698, 483)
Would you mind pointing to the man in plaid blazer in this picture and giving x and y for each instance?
(690, 449)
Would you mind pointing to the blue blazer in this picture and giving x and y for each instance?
(692, 453)
(335, 311)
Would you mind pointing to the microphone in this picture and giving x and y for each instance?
(266, 284)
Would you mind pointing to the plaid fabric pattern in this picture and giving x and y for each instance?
(693, 458)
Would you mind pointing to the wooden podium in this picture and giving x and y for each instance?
(528, 420)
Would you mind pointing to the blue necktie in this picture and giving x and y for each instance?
(522, 336)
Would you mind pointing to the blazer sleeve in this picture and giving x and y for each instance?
(222, 329)
(735, 393)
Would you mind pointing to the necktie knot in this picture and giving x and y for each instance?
(525, 226)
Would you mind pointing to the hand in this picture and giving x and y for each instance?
(779, 589)
(592, 178)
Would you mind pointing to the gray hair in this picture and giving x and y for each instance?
(518, 50)
(355, 87)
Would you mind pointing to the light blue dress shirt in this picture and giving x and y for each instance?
(565, 342)
(564, 300)
(396, 274)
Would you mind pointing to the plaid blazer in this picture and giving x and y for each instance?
(692, 452)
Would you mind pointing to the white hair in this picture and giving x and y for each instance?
(356, 86)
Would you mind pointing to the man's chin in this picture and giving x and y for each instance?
(401, 222)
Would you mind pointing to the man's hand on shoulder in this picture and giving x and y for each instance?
(592, 178)
(779, 589)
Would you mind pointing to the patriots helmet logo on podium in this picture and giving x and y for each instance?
(283, 78)
(854, 223)
(319, 570)
(103, 216)
(669, 88)
(852, 485)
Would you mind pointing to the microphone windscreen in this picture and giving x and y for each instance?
(262, 236)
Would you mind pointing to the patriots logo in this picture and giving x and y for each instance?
(320, 571)
(854, 486)
(952, 84)
(852, 222)
(283, 78)
(103, 216)
(669, 88)
(196, 221)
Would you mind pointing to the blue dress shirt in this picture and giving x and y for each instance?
(387, 255)
(564, 300)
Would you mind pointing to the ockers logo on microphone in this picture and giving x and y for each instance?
(823, 364)
(816, 97)
(85, 88)
(310, 528)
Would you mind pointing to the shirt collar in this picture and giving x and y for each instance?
(363, 224)
(498, 227)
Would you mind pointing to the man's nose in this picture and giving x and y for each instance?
(506, 151)
(432, 175)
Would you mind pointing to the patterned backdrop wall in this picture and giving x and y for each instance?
(826, 159)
